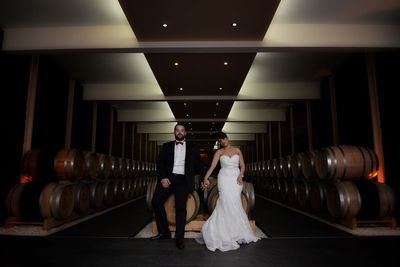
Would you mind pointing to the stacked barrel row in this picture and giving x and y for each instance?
(69, 183)
(336, 180)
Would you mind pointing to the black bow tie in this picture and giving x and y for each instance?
(178, 143)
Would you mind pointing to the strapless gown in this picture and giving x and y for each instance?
(228, 226)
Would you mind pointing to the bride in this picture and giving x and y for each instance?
(228, 225)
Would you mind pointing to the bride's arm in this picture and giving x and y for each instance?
(242, 166)
(213, 165)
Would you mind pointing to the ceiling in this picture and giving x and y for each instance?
(199, 68)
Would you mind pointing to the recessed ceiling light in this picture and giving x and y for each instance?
(226, 63)
(190, 123)
(187, 115)
(217, 104)
(165, 25)
(220, 88)
(181, 89)
(234, 24)
(184, 104)
(176, 63)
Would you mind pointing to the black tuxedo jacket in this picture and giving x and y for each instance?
(193, 164)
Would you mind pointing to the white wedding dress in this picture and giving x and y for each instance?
(228, 226)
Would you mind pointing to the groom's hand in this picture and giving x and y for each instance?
(165, 182)
(205, 184)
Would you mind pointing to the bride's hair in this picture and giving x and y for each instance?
(221, 135)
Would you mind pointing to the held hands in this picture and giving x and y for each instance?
(165, 182)
(240, 180)
(205, 184)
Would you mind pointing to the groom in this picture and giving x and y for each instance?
(177, 163)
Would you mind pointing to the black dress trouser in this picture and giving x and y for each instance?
(179, 187)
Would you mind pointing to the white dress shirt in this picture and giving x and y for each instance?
(179, 158)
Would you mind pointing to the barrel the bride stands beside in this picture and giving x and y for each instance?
(194, 219)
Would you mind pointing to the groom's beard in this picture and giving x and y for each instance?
(179, 138)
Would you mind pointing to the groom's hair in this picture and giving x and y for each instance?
(179, 124)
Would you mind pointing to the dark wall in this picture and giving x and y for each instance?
(82, 121)
(128, 140)
(14, 78)
(103, 128)
(286, 136)
(353, 103)
(387, 72)
(50, 116)
(117, 137)
(274, 140)
(321, 118)
(300, 127)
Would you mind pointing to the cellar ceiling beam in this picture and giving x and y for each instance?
(279, 37)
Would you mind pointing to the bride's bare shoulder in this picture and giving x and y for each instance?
(237, 150)
(218, 152)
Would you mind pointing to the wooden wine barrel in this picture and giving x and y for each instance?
(57, 201)
(30, 164)
(68, 164)
(122, 168)
(129, 169)
(118, 191)
(126, 189)
(23, 201)
(132, 189)
(303, 193)
(377, 199)
(149, 194)
(140, 186)
(283, 190)
(295, 165)
(286, 166)
(293, 190)
(192, 204)
(247, 197)
(115, 170)
(271, 169)
(135, 168)
(91, 165)
(105, 166)
(82, 198)
(276, 188)
(308, 164)
(192, 208)
(267, 169)
(53, 164)
(268, 188)
(317, 196)
(346, 162)
(277, 165)
(96, 194)
(343, 199)
(136, 184)
(109, 188)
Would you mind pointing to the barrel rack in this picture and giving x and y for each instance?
(194, 225)
(353, 223)
(46, 224)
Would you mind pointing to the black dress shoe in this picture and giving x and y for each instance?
(179, 243)
(161, 236)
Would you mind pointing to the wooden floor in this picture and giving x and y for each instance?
(104, 241)
(90, 251)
